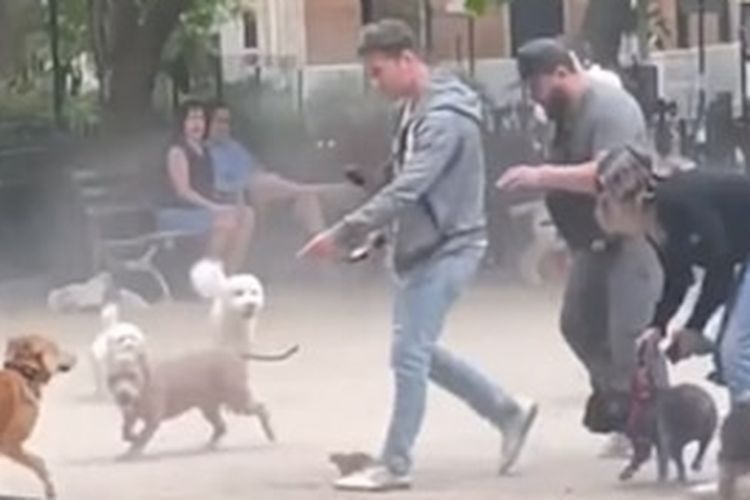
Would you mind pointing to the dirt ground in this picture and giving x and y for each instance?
(335, 396)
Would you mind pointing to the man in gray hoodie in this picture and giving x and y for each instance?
(433, 204)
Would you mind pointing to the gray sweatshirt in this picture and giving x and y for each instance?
(434, 201)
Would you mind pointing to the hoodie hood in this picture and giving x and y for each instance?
(446, 91)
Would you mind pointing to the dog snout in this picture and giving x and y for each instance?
(67, 362)
(128, 344)
(125, 395)
(249, 310)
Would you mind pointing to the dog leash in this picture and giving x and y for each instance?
(641, 391)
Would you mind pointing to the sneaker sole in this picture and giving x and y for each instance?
(534, 411)
(381, 489)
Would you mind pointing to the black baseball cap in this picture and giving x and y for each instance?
(543, 56)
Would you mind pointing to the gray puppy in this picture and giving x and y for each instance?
(669, 421)
(656, 415)
(210, 381)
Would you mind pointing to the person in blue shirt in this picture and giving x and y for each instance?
(240, 177)
(189, 199)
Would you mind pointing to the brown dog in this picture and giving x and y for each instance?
(209, 381)
(30, 363)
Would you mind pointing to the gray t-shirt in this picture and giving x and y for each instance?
(605, 118)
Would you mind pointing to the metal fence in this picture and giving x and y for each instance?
(677, 69)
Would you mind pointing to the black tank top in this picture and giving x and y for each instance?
(201, 173)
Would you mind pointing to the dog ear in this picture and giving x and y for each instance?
(109, 315)
(208, 278)
(12, 345)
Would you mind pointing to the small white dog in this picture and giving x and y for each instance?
(544, 242)
(237, 302)
(116, 341)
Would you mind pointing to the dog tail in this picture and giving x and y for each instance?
(282, 356)
(110, 315)
(208, 278)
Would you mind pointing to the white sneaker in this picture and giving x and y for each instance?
(706, 491)
(515, 433)
(377, 478)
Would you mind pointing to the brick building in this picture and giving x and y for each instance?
(323, 32)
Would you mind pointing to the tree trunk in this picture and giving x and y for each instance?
(129, 103)
(5, 37)
(137, 39)
(604, 23)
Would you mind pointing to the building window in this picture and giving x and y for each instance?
(717, 22)
(409, 11)
(250, 29)
(366, 11)
(531, 19)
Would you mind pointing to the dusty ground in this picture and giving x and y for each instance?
(335, 396)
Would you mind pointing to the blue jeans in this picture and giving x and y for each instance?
(734, 350)
(423, 299)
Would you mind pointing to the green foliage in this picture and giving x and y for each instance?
(194, 37)
(479, 7)
(199, 21)
(74, 33)
(27, 88)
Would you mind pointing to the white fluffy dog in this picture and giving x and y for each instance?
(237, 301)
(544, 243)
(116, 341)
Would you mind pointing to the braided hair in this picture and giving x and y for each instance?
(627, 174)
(626, 185)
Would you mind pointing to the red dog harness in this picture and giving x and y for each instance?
(641, 393)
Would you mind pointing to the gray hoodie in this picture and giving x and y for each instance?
(434, 201)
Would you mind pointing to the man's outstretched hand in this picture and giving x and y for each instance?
(519, 178)
(322, 246)
(687, 343)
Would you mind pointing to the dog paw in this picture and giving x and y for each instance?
(627, 474)
(211, 446)
(49, 492)
(128, 456)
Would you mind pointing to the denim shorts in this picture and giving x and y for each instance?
(192, 220)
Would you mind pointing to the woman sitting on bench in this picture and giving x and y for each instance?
(190, 201)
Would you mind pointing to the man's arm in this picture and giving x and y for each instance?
(573, 178)
(611, 130)
(436, 140)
